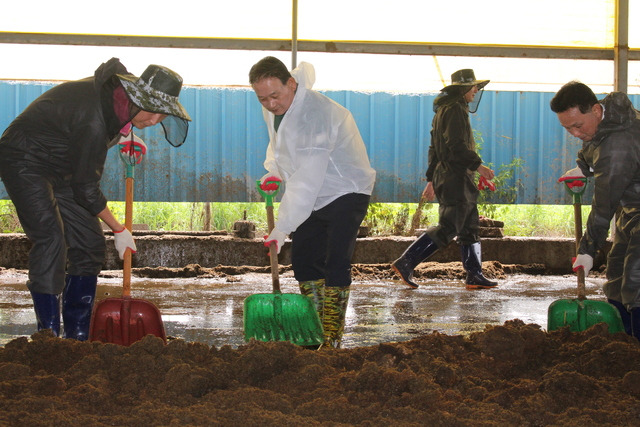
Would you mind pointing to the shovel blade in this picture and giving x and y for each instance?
(282, 317)
(124, 321)
(580, 315)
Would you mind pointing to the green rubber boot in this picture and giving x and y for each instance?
(314, 289)
(333, 315)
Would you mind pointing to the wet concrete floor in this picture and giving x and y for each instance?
(210, 310)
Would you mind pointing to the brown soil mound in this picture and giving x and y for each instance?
(362, 272)
(510, 375)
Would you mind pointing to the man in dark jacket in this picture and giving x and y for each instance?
(51, 160)
(610, 131)
(453, 162)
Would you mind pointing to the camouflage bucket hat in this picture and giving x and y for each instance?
(156, 91)
(464, 78)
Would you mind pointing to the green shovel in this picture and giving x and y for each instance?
(580, 314)
(277, 316)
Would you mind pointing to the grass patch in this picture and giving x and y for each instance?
(383, 219)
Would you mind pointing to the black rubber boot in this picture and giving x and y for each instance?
(419, 251)
(472, 263)
(635, 322)
(624, 315)
(47, 308)
(77, 305)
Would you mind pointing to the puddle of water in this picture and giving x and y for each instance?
(210, 310)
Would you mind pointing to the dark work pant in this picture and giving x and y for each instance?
(66, 238)
(323, 245)
(623, 260)
(458, 210)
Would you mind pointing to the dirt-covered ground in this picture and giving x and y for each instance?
(510, 375)
(514, 374)
(360, 272)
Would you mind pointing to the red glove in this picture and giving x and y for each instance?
(485, 183)
(270, 184)
(572, 182)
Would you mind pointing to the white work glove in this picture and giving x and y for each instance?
(571, 174)
(123, 240)
(275, 236)
(133, 146)
(583, 261)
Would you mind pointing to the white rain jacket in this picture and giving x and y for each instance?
(318, 152)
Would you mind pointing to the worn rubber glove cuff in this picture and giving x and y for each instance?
(123, 240)
(275, 236)
(583, 261)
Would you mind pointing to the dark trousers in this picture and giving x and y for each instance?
(66, 238)
(323, 245)
(458, 209)
(623, 260)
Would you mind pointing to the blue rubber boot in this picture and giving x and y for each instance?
(471, 261)
(47, 308)
(635, 322)
(77, 305)
(419, 251)
(624, 315)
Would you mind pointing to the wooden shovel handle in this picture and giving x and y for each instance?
(128, 223)
(273, 252)
(582, 293)
(577, 213)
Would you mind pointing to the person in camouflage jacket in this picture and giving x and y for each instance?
(610, 153)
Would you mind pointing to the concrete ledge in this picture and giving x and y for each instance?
(175, 250)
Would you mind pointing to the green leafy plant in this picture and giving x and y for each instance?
(489, 201)
(9, 218)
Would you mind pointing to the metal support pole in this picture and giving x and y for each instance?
(621, 48)
(620, 64)
(294, 34)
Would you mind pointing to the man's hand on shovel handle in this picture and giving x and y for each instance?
(276, 236)
(583, 261)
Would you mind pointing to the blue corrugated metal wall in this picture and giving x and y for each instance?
(223, 154)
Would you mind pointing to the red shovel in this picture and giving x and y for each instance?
(126, 320)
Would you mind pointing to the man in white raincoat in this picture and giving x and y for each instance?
(315, 148)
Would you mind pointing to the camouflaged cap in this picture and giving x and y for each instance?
(156, 91)
(465, 77)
